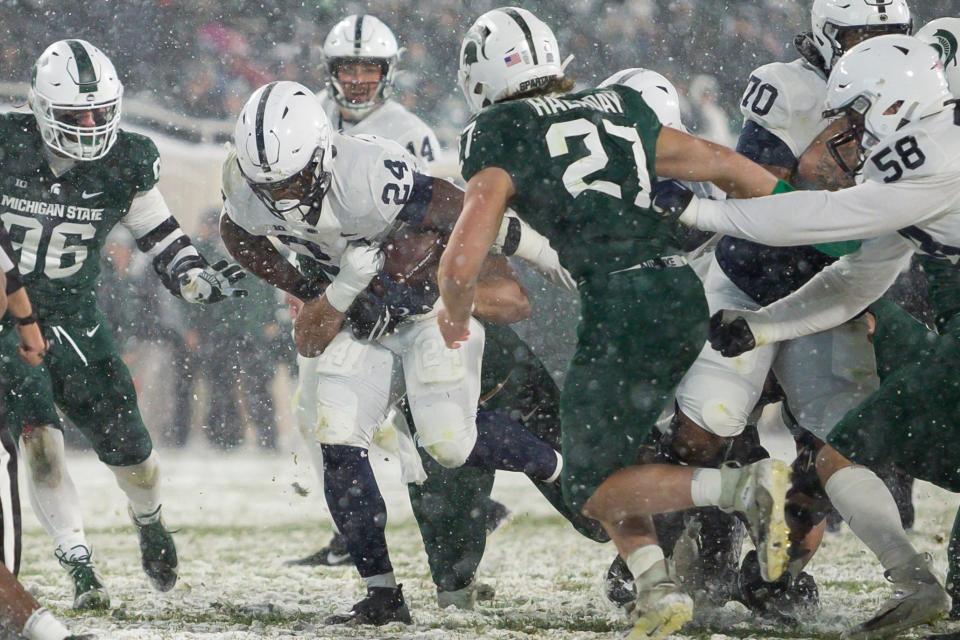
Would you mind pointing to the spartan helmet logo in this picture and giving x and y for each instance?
(478, 40)
(946, 46)
(55, 188)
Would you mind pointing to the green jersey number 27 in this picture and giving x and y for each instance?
(574, 179)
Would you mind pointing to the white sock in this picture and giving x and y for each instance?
(383, 580)
(705, 487)
(643, 559)
(556, 472)
(42, 625)
(53, 495)
(141, 484)
(867, 507)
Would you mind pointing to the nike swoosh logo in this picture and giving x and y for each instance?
(93, 331)
(87, 196)
(337, 558)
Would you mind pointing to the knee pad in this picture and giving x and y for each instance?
(337, 422)
(447, 434)
(43, 450)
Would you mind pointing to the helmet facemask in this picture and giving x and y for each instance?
(68, 130)
(843, 38)
(855, 114)
(360, 98)
(299, 197)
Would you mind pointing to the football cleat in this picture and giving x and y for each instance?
(335, 554)
(661, 607)
(785, 600)
(918, 598)
(618, 584)
(467, 597)
(758, 493)
(158, 553)
(382, 605)
(706, 556)
(89, 593)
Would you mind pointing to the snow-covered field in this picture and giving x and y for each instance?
(240, 519)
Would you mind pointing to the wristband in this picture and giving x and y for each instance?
(340, 296)
(30, 319)
(782, 187)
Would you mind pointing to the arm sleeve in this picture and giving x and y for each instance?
(836, 294)
(158, 234)
(868, 210)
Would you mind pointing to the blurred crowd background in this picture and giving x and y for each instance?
(202, 59)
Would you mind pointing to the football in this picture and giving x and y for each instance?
(411, 258)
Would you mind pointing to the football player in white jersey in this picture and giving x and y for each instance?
(332, 199)
(825, 375)
(362, 58)
(895, 100)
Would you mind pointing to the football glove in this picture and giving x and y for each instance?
(212, 284)
(674, 202)
(730, 334)
(517, 238)
(370, 317)
(359, 264)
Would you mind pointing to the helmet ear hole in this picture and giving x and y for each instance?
(893, 108)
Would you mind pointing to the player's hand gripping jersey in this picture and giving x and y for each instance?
(582, 166)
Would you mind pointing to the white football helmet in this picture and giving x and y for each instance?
(362, 38)
(75, 95)
(507, 51)
(881, 85)
(284, 150)
(831, 18)
(944, 36)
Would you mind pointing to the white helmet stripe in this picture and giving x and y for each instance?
(261, 109)
(513, 13)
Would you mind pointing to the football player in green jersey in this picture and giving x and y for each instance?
(20, 614)
(69, 174)
(580, 169)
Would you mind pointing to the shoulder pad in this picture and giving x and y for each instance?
(483, 139)
(786, 98)
(916, 152)
(231, 179)
(139, 158)
(373, 177)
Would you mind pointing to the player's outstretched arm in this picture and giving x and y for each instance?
(684, 157)
(501, 298)
(257, 255)
(836, 294)
(484, 204)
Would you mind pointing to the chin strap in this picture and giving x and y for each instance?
(563, 67)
